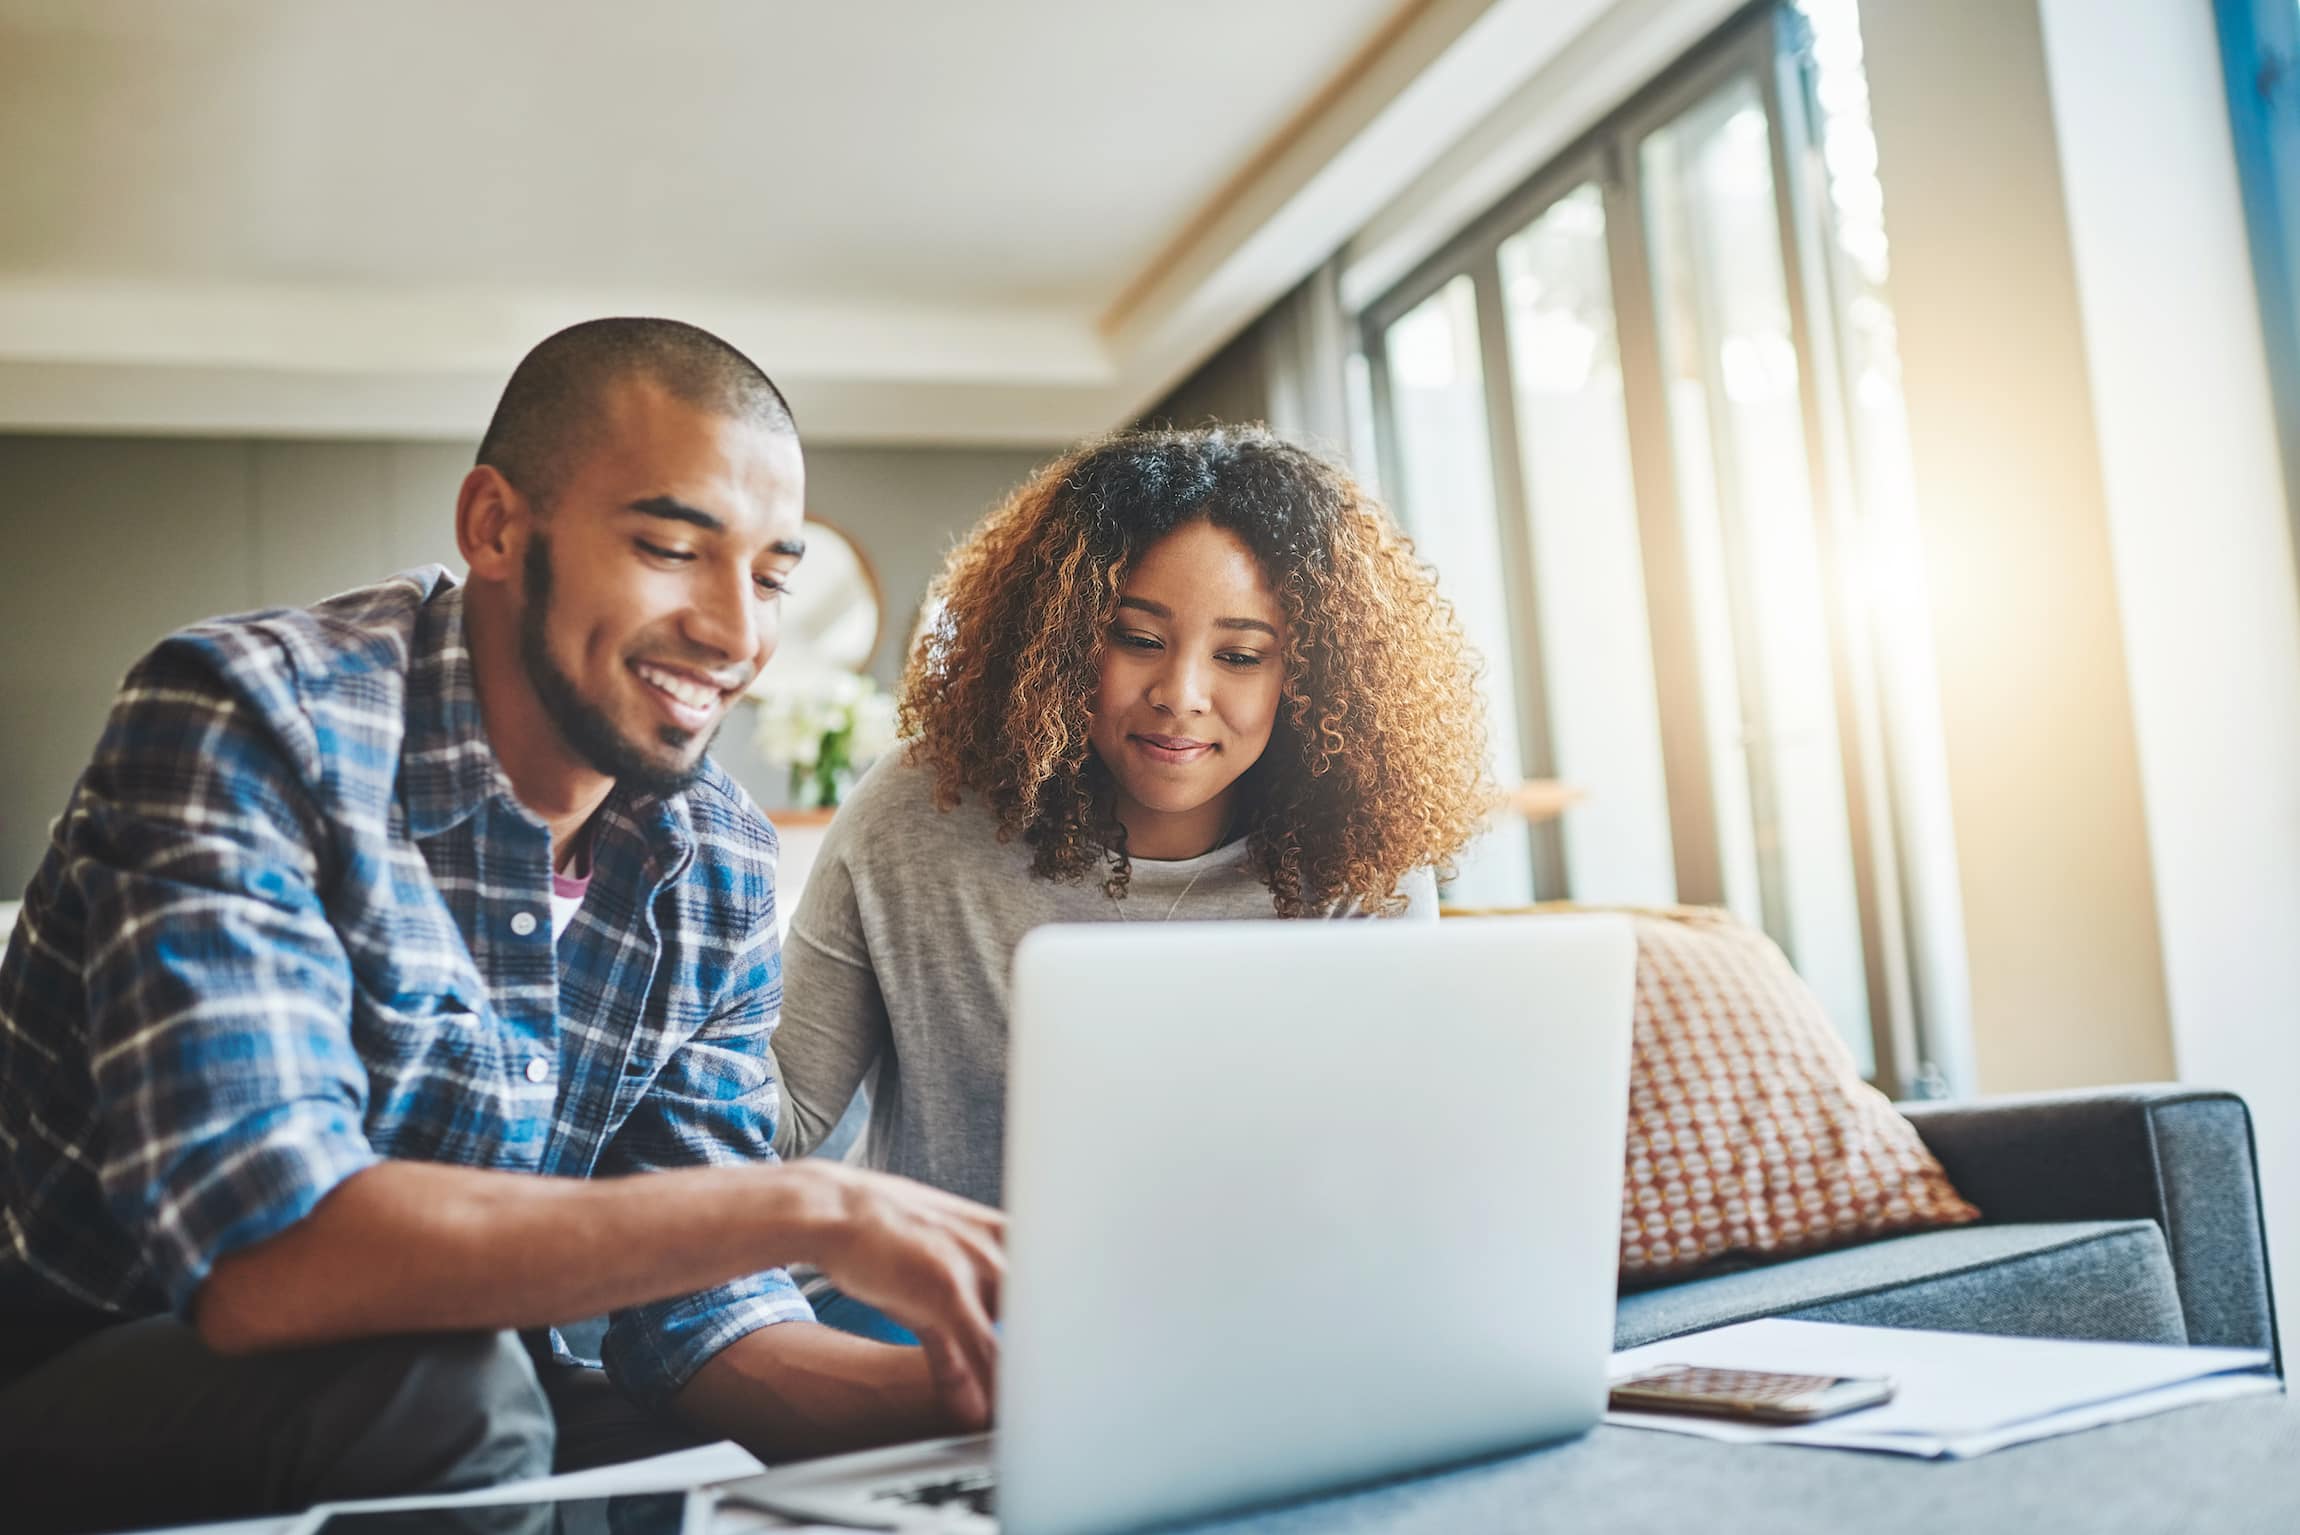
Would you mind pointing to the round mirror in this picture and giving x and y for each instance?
(832, 613)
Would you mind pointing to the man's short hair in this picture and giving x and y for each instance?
(549, 413)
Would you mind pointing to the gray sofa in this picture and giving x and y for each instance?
(2128, 1213)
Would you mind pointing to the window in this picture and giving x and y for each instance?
(1580, 510)
(1644, 418)
(1438, 414)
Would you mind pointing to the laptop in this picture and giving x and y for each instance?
(1292, 1206)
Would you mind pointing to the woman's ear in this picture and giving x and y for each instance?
(491, 524)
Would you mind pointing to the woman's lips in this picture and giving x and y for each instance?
(1171, 749)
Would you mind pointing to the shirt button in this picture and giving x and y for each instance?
(523, 923)
(538, 1069)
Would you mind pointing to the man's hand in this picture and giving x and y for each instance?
(405, 1247)
(934, 1262)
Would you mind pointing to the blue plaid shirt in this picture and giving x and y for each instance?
(293, 922)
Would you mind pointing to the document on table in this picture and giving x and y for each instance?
(1956, 1394)
(676, 1471)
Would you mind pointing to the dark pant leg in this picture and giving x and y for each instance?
(144, 1424)
(599, 1426)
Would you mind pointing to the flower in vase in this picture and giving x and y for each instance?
(825, 726)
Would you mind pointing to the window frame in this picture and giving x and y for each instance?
(1764, 44)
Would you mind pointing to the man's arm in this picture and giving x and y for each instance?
(418, 1247)
(714, 1104)
(229, 1095)
(412, 1247)
(800, 1389)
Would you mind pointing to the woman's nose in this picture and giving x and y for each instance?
(1180, 687)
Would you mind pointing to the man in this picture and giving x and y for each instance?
(401, 974)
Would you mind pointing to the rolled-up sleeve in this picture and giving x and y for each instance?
(714, 1104)
(218, 995)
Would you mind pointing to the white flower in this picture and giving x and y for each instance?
(790, 726)
(799, 709)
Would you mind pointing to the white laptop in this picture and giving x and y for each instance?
(1292, 1206)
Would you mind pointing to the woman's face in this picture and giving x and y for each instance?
(1188, 689)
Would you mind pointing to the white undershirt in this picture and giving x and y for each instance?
(563, 909)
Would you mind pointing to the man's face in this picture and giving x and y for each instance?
(652, 582)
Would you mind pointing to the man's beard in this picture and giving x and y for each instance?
(581, 723)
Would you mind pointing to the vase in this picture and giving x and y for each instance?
(821, 785)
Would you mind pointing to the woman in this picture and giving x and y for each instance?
(1176, 676)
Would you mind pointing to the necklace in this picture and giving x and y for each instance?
(1177, 906)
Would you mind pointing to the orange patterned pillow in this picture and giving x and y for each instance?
(1750, 1129)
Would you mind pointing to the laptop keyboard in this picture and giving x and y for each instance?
(969, 1491)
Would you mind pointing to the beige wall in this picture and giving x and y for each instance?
(2052, 845)
(2198, 519)
(110, 542)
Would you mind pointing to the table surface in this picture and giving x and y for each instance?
(2224, 1466)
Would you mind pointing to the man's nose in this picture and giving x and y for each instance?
(724, 617)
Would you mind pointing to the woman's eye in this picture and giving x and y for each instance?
(1239, 658)
(1138, 642)
(657, 551)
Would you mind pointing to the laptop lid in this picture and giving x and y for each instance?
(1299, 1204)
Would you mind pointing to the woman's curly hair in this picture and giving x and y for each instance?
(1375, 767)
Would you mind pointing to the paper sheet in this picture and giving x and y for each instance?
(675, 1472)
(1957, 1394)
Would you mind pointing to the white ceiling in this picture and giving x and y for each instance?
(1007, 220)
(1027, 152)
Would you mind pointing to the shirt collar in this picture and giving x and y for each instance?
(448, 770)
(660, 826)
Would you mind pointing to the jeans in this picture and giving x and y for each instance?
(141, 1423)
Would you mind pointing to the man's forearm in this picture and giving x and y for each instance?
(799, 1389)
(418, 1247)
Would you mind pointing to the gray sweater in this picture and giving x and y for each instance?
(897, 964)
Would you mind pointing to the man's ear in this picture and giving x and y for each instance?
(491, 525)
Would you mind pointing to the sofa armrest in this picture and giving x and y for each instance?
(2181, 1157)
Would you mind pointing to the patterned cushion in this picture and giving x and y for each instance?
(1750, 1129)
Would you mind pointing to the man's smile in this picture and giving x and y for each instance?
(690, 699)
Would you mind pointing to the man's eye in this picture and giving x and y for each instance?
(657, 551)
(773, 586)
